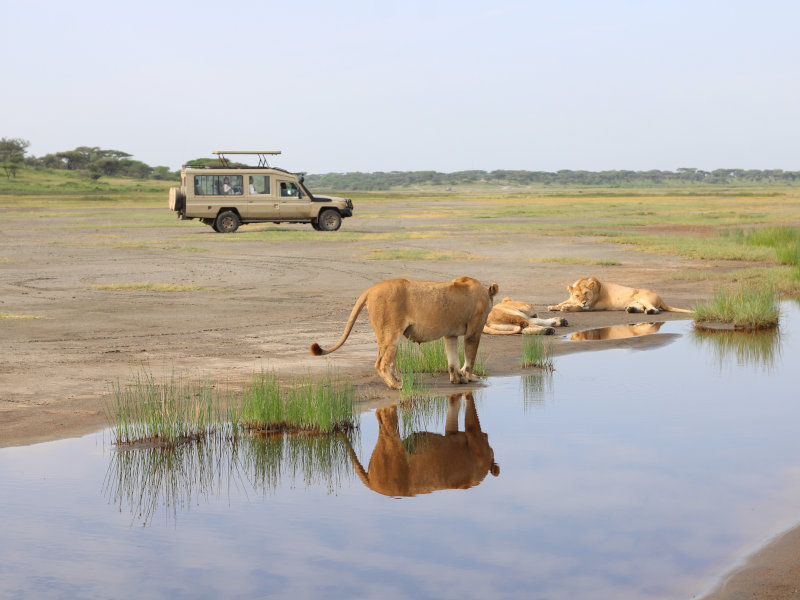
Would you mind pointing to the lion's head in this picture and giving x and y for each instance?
(585, 291)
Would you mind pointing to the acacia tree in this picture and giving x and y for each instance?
(12, 153)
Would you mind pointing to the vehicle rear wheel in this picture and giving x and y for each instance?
(329, 220)
(227, 222)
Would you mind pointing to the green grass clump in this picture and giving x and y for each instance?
(430, 357)
(166, 413)
(536, 352)
(325, 405)
(783, 239)
(171, 412)
(744, 306)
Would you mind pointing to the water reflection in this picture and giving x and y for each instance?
(535, 388)
(755, 349)
(424, 461)
(616, 332)
(143, 479)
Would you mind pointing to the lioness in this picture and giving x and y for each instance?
(513, 316)
(589, 294)
(425, 461)
(423, 311)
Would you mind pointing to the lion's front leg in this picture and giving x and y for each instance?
(451, 349)
(566, 306)
(471, 342)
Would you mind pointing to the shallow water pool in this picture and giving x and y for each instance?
(623, 474)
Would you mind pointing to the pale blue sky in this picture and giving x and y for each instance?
(369, 85)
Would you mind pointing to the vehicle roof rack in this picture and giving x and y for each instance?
(262, 156)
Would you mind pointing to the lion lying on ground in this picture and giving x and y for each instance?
(425, 461)
(512, 316)
(589, 294)
(423, 311)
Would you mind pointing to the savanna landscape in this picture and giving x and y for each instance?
(101, 282)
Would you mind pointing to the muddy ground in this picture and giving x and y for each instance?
(261, 303)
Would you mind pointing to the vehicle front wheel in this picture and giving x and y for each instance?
(329, 220)
(315, 224)
(227, 222)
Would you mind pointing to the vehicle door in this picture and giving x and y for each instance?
(260, 200)
(294, 204)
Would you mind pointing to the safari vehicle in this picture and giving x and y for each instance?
(227, 196)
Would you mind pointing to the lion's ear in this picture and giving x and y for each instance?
(570, 289)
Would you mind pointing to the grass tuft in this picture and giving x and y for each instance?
(744, 306)
(431, 357)
(325, 405)
(171, 412)
(536, 352)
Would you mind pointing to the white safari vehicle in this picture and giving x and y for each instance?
(225, 197)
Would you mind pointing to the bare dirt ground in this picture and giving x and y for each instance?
(261, 303)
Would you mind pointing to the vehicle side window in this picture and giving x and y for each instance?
(217, 185)
(289, 189)
(259, 184)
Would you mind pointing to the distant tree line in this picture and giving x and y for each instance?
(95, 162)
(91, 161)
(400, 179)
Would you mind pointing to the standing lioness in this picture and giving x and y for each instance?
(423, 311)
(589, 294)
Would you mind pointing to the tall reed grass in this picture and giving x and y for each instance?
(164, 412)
(743, 306)
(431, 357)
(320, 405)
(173, 411)
(536, 352)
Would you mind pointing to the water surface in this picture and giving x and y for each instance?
(624, 474)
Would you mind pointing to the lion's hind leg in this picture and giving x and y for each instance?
(554, 322)
(501, 329)
(386, 365)
(534, 329)
(451, 349)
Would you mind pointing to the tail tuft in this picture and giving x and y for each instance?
(316, 350)
(493, 289)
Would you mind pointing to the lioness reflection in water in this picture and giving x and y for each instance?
(617, 332)
(425, 462)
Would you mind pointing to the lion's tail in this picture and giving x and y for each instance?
(316, 350)
(670, 309)
(362, 474)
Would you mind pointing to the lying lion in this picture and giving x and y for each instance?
(512, 316)
(423, 311)
(589, 294)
